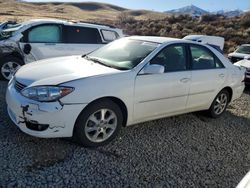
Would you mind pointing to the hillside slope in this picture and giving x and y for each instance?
(235, 30)
(91, 11)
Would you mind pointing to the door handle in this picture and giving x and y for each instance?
(184, 80)
(222, 75)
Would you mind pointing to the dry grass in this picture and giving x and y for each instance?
(70, 11)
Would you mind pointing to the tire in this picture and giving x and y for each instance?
(8, 66)
(98, 124)
(217, 109)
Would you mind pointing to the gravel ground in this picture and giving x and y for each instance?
(184, 151)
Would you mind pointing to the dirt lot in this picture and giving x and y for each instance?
(184, 151)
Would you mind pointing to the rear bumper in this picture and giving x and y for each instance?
(26, 114)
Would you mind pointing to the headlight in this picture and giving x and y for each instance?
(46, 93)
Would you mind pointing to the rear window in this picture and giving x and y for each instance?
(109, 35)
(82, 35)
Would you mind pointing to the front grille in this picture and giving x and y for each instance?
(18, 86)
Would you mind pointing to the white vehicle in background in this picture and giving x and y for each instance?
(8, 24)
(45, 38)
(131, 80)
(246, 64)
(240, 53)
(214, 41)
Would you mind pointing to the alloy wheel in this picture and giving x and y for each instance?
(100, 125)
(220, 104)
(8, 69)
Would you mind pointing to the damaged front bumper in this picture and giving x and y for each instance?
(42, 119)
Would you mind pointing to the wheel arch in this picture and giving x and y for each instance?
(116, 100)
(14, 54)
(230, 91)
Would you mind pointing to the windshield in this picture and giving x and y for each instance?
(123, 54)
(243, 50)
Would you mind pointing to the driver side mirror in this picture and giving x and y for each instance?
(27, 48)
(153, 69)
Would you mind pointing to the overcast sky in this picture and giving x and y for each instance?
(163, 5)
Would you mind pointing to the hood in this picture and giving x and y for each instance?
(235, 54)
(244, 63)
(55, 71)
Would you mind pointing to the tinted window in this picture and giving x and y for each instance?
(82, 35)
(173, 58)
(45, 34)
(109, 35)
(202, 58)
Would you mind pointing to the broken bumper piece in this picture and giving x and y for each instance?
(41, 119)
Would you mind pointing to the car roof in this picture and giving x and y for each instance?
(65, 22)
(155, 39)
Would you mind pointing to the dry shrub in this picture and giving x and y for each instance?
(245, 21)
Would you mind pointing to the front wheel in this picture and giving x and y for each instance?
(219, 104)
(98, 124)
(8, 66)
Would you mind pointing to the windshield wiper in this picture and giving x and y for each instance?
(95, 60)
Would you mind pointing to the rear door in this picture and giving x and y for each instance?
(42, 41)
(81, 40)
(208, 77)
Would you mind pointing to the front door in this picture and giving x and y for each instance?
(157, 95)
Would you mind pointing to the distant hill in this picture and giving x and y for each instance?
(195, 11)
(231, 13)
(90, 6)
(85, 11)
(190, 10)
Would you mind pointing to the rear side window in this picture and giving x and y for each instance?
(45, 34)
(202, 58)
(109, 35)
(82, 35)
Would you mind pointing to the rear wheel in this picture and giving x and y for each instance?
(98, 124)
(219, 104)
(8, 66)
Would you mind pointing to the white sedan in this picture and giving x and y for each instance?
(131, 80)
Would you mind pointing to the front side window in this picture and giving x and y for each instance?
(82, 35)
(123, 54)
(173, 58)
(202, 58)
(45, 34)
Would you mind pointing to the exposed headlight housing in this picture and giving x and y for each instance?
(46, 93)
